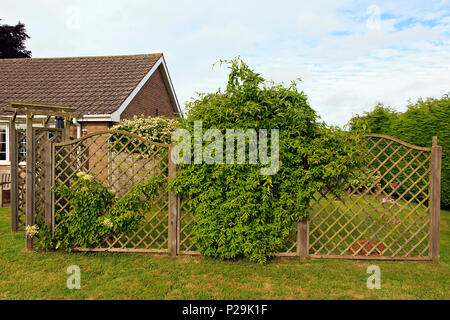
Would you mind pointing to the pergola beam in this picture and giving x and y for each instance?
(44, 109)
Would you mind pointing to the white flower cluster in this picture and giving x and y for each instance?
(85, 176)
(107, 223)
(31, 231)
(157, 129)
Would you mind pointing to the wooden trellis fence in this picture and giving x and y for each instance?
(390, 208)
(389, 211)
(119, 160)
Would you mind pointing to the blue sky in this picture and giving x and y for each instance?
(349, 54)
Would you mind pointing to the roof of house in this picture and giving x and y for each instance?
(91, 85)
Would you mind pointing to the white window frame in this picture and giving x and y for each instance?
(6, 162)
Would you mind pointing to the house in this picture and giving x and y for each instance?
(102, 89)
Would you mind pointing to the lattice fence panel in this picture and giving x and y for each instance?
(21, 179)
(44, 137)
(384, 211)
(118, 160)
(187, 243)
(290, 246)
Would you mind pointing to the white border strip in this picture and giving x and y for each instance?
(172, 90)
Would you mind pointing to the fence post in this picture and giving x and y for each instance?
(30, 179)
(174, 214)
(48, 181)
(303, 238)
(435, 199)
(13, 154)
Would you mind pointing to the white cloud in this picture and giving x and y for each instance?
(345, 66)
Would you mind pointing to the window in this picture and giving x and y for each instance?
(4, 147)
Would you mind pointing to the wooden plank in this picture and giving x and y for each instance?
(29, 220)
(48, 182)
(303, 238)
(384, 136)
(161, 251)
(66, 130)
(174, 213)
(13, 154)
(384, 258)
(435, 200)
(52, 160)
(178, 231)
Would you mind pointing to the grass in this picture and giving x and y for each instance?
(30, 275)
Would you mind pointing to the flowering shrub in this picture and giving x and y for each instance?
(239, 212)
(95, 213)
(157, 129)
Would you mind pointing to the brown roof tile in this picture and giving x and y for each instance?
(91, 85)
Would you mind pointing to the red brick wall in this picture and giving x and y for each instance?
(89, 127)
(152, 100)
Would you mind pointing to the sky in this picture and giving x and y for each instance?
(349, 55)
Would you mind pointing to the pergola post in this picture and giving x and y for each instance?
(30, 149)
(13, 157)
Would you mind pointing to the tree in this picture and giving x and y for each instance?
(12, 41)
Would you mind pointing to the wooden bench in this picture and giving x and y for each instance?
(5, 187)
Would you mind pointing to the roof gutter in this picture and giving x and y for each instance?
(98, 118)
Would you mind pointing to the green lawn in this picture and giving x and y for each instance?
(29, 275)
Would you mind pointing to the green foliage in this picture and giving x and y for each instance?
(380, 120)
(238, 211)
(95, 213)
(417, 125)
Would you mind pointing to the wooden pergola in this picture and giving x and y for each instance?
(39, 120)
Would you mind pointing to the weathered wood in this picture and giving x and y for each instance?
(385, 136)
(52, 192)
(178, 218)
(48, 182)
(173, 208)
(135, 250)
(384, 258)
(336, 228)
(31, 108)
(435, 200)
(13, 149)
(303, 238)
(66, 130)
(30, 146)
